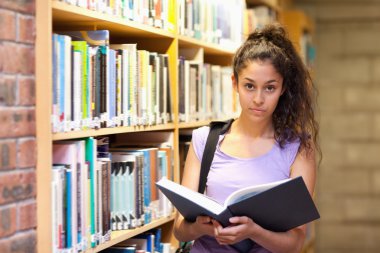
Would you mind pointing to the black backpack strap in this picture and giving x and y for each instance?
(216, 128)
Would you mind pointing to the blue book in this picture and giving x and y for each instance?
(157, 238)
(91, 159)
(149, 237)
(61, 77)
(162, 164)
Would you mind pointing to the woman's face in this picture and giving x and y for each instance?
(259, 88)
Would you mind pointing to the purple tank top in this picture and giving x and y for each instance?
(228, 173)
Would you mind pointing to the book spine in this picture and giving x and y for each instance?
(69, 235)
(131, 164)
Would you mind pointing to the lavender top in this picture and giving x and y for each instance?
(228, 174)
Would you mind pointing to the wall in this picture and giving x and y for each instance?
(348, 77)
(17, 127)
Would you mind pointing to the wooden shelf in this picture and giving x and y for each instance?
(121, 235)
(109, 131)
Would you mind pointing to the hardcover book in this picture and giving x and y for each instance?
(278, 206)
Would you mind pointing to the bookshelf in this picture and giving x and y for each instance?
(51, 16)
(55, 15)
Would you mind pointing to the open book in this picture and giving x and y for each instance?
(277, 206)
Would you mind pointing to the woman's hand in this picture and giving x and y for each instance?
(241, 228)
(203, 226)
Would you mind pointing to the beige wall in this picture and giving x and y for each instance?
(348, 78)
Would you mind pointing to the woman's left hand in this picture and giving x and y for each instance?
(241, 228)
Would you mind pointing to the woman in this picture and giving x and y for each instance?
(274, 138)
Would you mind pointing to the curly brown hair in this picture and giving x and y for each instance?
(294, 116)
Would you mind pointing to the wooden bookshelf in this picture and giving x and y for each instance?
(110, 131)
(51, 16)
(43, 128)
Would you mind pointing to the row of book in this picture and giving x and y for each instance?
(212, 21)
(157, 13)
(148, 242)
(205, 20)
(205, 91)
(97, 189)
(100, 85)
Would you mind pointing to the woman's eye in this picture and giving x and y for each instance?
(270, 88)
(249, 86)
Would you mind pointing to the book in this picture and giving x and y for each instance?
(278, 206)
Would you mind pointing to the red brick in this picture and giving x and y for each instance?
(25, 6)
(19, 243)
(7, 154)
(17, 186)
(16, 122)
(27, 214)
(27, 31)
(26, 91)
(7, 221)
(8, 25)
(26, 153)
(17, 58)
(7, 90)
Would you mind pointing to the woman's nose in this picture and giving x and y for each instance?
(258, 97)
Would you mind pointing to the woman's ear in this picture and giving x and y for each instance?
(234, 83)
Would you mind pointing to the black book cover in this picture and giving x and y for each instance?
(278, 207)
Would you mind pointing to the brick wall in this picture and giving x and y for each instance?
(348, 78)
(17, 127)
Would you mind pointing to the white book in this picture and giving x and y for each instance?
(77, 90)
(58, 177)
(65, 152)
(158, 90)
(132, 80)
(125, 87)
(67, 85)
(149, 90)
(216, 91)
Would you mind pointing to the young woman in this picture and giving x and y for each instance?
(275, 137)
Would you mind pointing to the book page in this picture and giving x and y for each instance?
(193, 196)
(249, 191)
